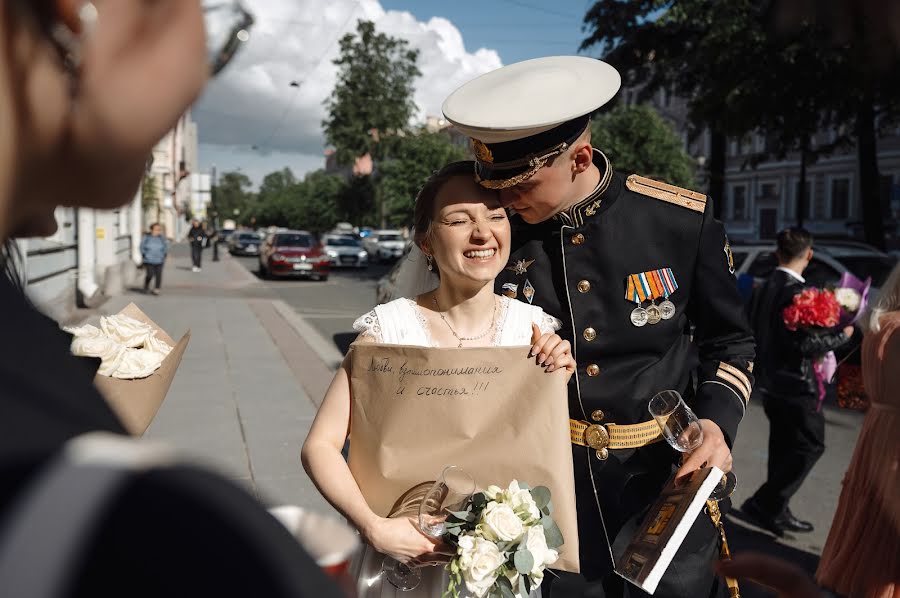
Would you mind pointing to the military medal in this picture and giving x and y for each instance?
(634, 293)
(667, 279)
(510, 289)
(653, 314)
(639, 316)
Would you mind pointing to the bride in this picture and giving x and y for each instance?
(464, 234)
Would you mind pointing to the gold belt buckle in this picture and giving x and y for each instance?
(596, 436)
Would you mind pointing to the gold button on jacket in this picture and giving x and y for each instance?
(589, 334)
(593, 370)
(597, 415)
(577, 239)
(584, 286)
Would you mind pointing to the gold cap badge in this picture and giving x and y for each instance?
(482, 152)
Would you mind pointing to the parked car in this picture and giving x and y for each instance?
(244, 243)
(385, 245)
(293, 253)
(224, 235)
(345, 250)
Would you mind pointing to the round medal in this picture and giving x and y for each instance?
(666, 309)
(639, 316)
(653, 314)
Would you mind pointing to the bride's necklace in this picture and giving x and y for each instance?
(466, 338)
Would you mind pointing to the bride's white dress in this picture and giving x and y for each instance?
(401, 322)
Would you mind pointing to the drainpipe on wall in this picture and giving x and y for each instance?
(137, 210)
(87, 285)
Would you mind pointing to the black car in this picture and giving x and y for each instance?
(244, 243)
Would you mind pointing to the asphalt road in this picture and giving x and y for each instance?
(331, 307)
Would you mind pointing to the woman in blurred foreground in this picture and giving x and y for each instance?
(86, 91)
(861, 558)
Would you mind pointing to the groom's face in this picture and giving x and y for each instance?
(541, 196)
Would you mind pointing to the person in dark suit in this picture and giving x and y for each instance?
(197, 237)
(641, 276)
(786, 381)
(104, 84)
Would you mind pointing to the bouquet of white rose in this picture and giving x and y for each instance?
(504, 540)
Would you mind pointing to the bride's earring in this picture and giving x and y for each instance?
(70, 43)
(430, 261)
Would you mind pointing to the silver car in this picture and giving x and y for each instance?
(345, 251)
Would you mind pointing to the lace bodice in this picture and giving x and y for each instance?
(402, 322)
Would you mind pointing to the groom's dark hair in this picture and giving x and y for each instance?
(423, 213)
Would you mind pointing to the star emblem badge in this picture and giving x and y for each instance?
(520, 267)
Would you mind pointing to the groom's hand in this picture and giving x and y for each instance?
(713, 451)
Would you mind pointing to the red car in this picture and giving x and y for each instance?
(293, 253)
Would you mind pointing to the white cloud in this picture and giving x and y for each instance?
(252, 103)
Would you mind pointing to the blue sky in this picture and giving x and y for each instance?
(516, 29)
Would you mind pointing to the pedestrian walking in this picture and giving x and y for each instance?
(196, 237)
(861, 558)
(787, 384)
(154, 249)
(629, 265)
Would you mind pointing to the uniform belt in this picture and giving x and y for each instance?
(602, 437)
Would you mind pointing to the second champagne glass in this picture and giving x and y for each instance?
(681, 429)
(449, 493)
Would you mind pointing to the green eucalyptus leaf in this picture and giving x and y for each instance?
(524, 561)
(551, 533)
(541, 496)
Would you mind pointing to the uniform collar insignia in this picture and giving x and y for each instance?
(520, 267)
(588, 206)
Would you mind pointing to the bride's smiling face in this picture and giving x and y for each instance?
(470, 234)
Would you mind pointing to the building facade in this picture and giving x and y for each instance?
(763, 199)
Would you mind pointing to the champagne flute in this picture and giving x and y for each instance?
(681, 429)
(451, 490)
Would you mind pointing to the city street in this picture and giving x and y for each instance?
(330, 308)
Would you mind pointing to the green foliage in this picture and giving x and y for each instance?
(310, 204)
(230, 194)
(149, 192)
(637, 140)
(409, 161)
(373, 94)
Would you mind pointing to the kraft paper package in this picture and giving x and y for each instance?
(137, 401)
(491, 411)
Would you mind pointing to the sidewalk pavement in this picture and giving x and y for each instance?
(245, 396)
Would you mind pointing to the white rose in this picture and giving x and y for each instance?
(493, 492)
(108, 350)
(125, 330)
(86, 331)
(138, 363)
(536, 543)
(849, 299)
(481, 572)
(522, 502)
(157, 345)
(466, 550)
(502, 522)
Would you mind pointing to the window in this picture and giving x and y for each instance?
(739, 202)
(768, 191)
(840, 199)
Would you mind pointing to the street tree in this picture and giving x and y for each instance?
(373, 96)
(232, 198)
(317, 207)
(411, 160)
(636, 139)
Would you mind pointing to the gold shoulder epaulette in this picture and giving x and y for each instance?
(666, 192)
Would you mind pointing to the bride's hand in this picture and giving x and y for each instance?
(552, 351)
(398, 538)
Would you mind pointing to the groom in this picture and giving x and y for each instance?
(641, 275)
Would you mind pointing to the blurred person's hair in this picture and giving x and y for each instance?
(792, 243)
(888, 300)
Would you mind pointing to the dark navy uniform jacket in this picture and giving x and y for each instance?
(582, 259)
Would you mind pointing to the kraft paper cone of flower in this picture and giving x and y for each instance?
(137, 401)
(491, 411)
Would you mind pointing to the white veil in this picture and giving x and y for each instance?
(409, 278)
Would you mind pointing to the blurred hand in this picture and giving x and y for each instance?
(713, 451)
(399, 538)
(787, 579)
(551, 351)
(848, 331)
